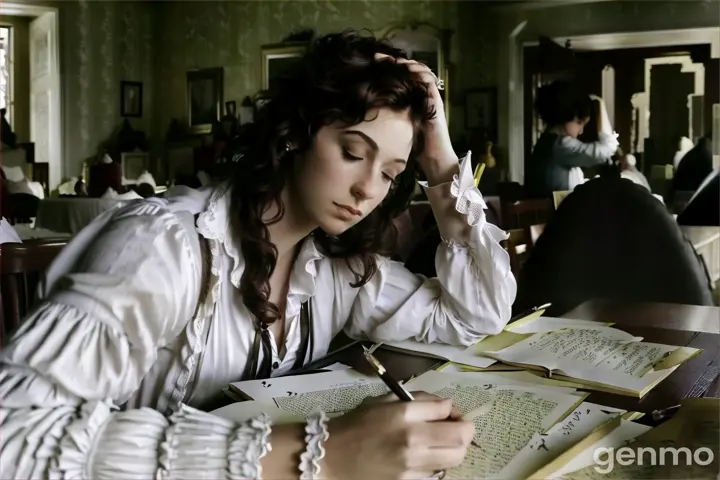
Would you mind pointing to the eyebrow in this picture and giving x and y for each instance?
(370, 142)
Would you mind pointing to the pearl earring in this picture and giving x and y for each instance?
(288, 146)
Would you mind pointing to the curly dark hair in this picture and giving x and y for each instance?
(562, 101)
(338, 80)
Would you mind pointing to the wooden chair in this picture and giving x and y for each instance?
(559, 196)
(526, 212)
(21, 267)
(532, 233)
(516, 246)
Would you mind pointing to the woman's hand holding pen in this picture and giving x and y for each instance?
(393, 439)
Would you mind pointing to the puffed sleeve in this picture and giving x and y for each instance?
(129, 287)
(474, 290)
(571, 152)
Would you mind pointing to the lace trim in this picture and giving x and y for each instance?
(317, 435)
(195, 444)
(214, 224)
(249, 444)
(469, 200)
(77, 444)
(194, 342)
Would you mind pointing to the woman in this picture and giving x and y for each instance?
(135, 317)
(558, 154)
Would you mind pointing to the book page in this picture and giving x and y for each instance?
(505, 416)
(331, 401)
(636, 359)
(603, 355)
(543, 447)
(268, 389)
(523, 379)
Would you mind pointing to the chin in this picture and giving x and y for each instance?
(335, 226)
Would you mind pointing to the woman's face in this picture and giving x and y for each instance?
(574, 128)
(348, 171)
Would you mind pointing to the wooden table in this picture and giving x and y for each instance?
(657, 323)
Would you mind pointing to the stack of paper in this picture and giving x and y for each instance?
(526, 426)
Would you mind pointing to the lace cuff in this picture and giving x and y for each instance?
(249, 444)
(458, 206)
(317, 435)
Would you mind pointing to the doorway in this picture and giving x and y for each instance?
(42, 87)
(710, 37)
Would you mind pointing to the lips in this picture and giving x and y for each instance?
(349, 209)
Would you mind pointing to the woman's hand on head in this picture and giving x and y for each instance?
(438, 161)
(392, 439)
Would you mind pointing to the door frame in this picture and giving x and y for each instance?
(20, 9)
(604, 41)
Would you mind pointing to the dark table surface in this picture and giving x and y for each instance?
(682, 325)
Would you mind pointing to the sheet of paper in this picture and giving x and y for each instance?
(337, 366)
(505, 417)
(687, 431)
(548, 324)
(241, 411)
(267, 390)
(543, 447)
(522, 376)
(463, 355)
(621, 436)
(603, 355)
(331, 401)
(521, 379)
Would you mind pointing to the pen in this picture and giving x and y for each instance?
(662, 414)
(529, 312)
(382, 372)
(391, 383)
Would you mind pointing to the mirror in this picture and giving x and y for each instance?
(424, 43)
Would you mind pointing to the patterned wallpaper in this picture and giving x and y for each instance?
(102, 44)
(230, 34)
(106, 42)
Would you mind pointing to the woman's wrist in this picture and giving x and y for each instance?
(288, 443)
(441, 169)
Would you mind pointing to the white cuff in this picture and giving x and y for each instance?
(458, 206)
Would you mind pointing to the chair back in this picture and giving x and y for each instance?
(559, 196)
(526, 212)
(21, 268)
(612, 239)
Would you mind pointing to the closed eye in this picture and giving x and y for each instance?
(349, 156)
(390, 178)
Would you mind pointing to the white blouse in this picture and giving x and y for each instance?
(122, 324)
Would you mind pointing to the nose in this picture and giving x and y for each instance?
(366, 186)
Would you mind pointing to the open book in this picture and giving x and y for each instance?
(599, 357)
(473, 356)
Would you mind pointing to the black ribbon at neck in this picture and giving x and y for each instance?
(253, 369)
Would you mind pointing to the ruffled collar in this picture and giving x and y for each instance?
(214, 224)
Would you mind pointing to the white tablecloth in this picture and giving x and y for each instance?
(27, 232)
(70, 215)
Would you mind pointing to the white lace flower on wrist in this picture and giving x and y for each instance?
(469, 199)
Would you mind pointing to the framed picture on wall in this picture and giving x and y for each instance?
(134, 164)
(278, 60)
(131, 101)
(204, 99)
(481, 111)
